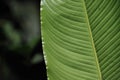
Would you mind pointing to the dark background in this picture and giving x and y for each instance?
(21, 55)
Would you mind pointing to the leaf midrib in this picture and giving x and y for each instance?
(92, 42)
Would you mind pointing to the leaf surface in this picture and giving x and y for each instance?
(81, 39)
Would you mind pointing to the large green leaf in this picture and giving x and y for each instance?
(81, 39)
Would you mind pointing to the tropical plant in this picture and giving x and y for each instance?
(81, 39)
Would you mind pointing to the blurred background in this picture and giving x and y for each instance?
(21, 55)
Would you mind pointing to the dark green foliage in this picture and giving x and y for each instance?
(21, 56)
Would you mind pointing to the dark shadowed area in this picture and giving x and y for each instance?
(21, 55)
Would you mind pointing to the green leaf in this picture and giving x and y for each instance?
(12, 35)
(81, 39)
